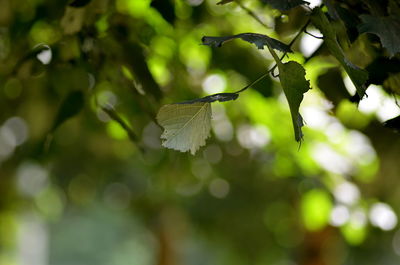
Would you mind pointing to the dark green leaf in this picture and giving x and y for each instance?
(134, 58)
(392, 83)
(331, 84)
(166, 9)
(285, 4)
(380, 69)
(259, 40)
(79, 3)
(358, 76)
(393, 123)
(294, 84)
(386, 28)
(350, 18)
(394, 8)
(71, 105)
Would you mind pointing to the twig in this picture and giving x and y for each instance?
(272, 69)
(312, 35)
(254, 82)
(215, 97)
(395, 99)
(252, 14)
(294, 39)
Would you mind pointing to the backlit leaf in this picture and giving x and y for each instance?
(358, 76)
(386, 28)
(186, 126)
(294, 84)
(259, 40)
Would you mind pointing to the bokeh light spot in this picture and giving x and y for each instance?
(316, 208)
(31, 178)
(347, 193)
(381, 215)
(339, 215)
(219, 188)
(214, 83)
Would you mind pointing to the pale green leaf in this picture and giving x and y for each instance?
(358, 76)
(186, 126)
(294, 84)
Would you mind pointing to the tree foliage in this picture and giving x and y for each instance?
(92, 91)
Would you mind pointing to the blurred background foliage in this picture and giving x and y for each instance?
(84, 179)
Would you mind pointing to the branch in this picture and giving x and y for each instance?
(312, 35)
(232, 96)
(114, 116)
(272, 69)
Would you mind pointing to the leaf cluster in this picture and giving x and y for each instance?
(292, 74)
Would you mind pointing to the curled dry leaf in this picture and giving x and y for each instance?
(260, 40)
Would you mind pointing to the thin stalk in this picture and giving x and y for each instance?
(273, 52)
(252, 14)
(114, 115)
(254, 82)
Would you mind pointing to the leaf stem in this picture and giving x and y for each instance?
(312, 35)
(231, 96)
(271, 70)
(254, 82)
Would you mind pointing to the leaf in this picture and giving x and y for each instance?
(340, 13)
(386, 28)
(393, 124)
(392, 83)
(166, 9)
(393, 8)
(223, 2)
(71, 105)
(73, 20)
(332, 85)
(358, 76)
(284, 5)
(294, 84)
(259, 40)
(79, 3)
(381, 68)
(186, 126)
